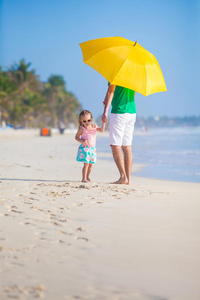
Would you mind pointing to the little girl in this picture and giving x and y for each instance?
(86, 135)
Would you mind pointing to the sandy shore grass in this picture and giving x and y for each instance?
(62, 239)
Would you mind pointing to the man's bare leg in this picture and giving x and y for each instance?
(128, 160)
(119, 160)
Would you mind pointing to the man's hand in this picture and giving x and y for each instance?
(104, 118)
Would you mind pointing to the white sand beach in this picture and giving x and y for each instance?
(61, 239)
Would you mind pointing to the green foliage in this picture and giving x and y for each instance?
(26, 101)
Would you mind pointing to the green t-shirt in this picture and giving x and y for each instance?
(123, 101)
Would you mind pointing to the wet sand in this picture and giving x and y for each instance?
(63, 239)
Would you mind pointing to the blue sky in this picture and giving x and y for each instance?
(47, 33)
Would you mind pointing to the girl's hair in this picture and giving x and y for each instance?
(83, 113)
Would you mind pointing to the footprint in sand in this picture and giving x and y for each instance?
(81, 238)
(15, 211)
(56, 223)
(25, 223)
(77, 204)
(36, 208)
(60, 241)
(80, 229)
(6, 215)
(15, 291)
(62, 220)
(26, 202)
(84, 186)
(66, 193)
(150, 192)
(63, 232)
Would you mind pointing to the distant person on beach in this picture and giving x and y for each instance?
(121, 127)
(86, 135)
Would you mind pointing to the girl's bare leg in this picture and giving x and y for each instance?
(85, 172)
(88, 172)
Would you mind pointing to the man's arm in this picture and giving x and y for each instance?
(107, 102)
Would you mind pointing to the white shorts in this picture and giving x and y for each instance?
(121, 127)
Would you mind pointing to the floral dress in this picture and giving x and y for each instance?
(87, 154)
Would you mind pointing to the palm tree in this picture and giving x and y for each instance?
(55, 93)
(25, 100)
(72, 107)
(23, 78)
(26, 82)
(7, 88)
(38, 109)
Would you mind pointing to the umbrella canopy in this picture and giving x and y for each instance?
(124, 63)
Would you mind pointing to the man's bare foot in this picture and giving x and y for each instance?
(120, 181)
(85, 181)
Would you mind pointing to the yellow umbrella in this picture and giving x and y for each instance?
(124, 63)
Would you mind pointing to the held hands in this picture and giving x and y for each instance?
(104, 118)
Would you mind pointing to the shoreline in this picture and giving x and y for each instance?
(143, 170)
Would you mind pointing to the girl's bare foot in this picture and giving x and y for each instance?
(89, 180)
(84, 181)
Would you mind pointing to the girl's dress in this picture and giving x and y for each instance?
(87, 154)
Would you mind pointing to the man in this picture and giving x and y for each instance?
(121, 127)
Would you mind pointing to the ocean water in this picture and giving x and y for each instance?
(169, 153)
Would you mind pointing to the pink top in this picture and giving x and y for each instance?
(89, 135)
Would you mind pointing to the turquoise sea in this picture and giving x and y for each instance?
(169, 153)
